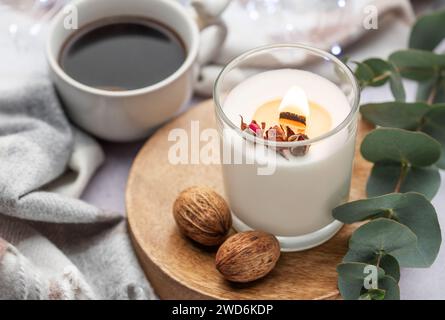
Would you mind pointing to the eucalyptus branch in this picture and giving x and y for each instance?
(400, 229)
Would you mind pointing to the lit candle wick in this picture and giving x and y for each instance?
(294, 110)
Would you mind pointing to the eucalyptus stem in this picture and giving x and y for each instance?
(379, 259)
(403, 172)
(381, 77)
(390, 213)
(434, 89)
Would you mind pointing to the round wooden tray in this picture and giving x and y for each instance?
(180, 269)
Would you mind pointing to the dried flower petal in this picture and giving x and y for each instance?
(276, 133)
(282, 153)
(243, 125)
(254, 126)
(300, 150)
(279, 134)
(289, 132)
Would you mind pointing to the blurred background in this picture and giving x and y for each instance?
(333, 25)
(312, 21)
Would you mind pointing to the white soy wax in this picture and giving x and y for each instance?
(295, 202)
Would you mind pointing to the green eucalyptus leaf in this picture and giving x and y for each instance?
(396, 85)
(387, 262)
(384, 236)
(425, 88)
(381, 70)
(391, 266)
(390, 237)
(377, 294)
(395, 114)
(385, 178)
(417, 64)
(391, 206)
(364, 74)
(391, 288)
(373, 294)
(376, 72)
(434, 125)
(367, 296)
(397, 145)
(428, 31)
(410, 209)
(351, 278)
(439, 97)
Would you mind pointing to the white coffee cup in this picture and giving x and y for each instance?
(131, 115)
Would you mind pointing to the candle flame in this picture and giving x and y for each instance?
(294, 110)
(295, 101)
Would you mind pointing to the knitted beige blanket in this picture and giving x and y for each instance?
(52, 245)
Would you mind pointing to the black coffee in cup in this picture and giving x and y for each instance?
(123, 53)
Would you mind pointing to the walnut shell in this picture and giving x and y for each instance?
(202, 215)
(247, 256)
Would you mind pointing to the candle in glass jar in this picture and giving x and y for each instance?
(297, 199)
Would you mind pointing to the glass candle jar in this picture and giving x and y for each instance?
(270, 184)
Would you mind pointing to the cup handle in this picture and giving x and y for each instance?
(208, 14)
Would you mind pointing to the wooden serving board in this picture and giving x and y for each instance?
(180, 269)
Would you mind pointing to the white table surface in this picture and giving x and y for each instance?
(107, 190)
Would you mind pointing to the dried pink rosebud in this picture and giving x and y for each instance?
(254, 127)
